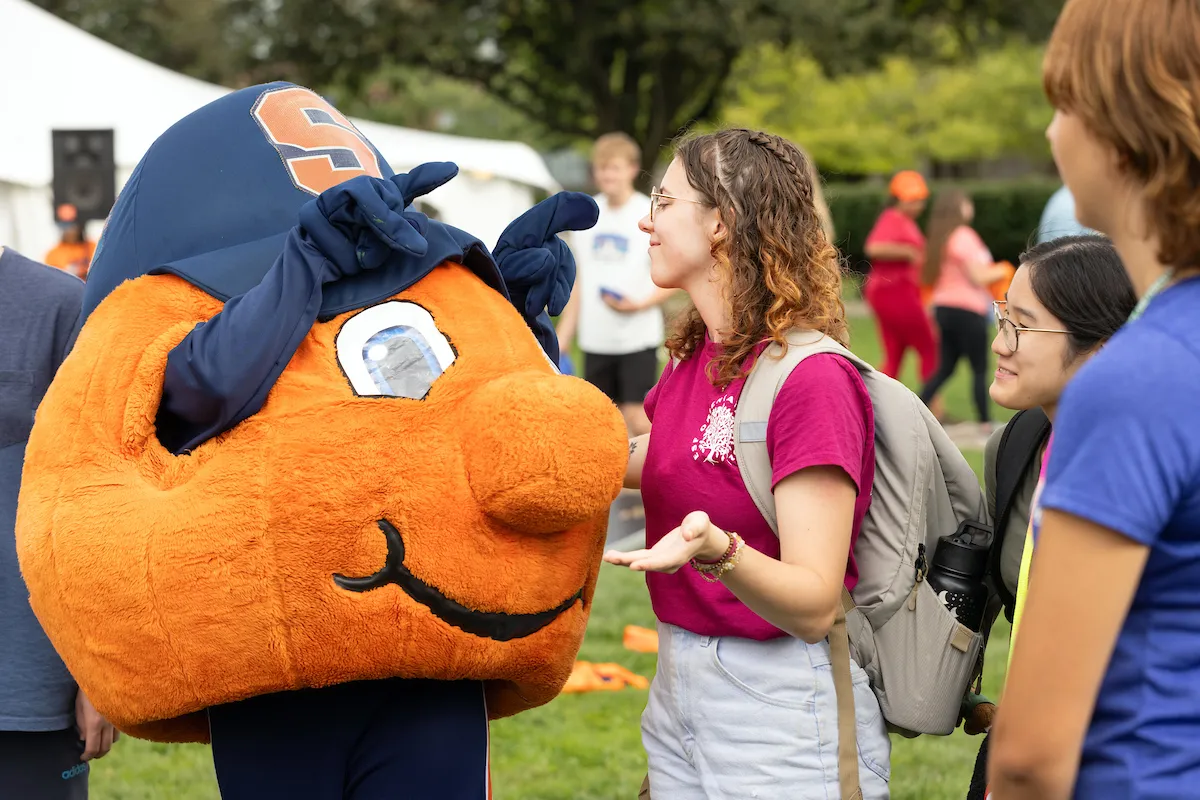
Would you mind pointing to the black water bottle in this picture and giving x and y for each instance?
(957, 573)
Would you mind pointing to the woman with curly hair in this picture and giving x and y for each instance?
(743, 702)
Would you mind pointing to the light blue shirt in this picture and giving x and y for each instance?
(1058, 218)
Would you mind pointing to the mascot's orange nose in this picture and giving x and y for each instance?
(552, 456)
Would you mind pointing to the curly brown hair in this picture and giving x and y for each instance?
(778, 269)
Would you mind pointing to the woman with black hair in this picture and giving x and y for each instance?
(1067, 298)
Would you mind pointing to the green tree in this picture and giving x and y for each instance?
(647, 67)
(416, 97)
(579, 69)
(203, 38)
(898, 115)
(848, 36)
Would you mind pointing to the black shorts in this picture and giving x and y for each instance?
(626, 378)
(37, 765)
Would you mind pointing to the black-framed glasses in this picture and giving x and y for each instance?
(1010, 330)
(656, 195)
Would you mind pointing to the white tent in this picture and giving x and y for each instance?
(54, 75)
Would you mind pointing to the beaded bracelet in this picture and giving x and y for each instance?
(702, 565)
(713, 571)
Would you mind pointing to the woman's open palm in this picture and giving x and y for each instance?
(669, 553)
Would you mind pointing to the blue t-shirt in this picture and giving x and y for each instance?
(39, 306)
(1127, 457)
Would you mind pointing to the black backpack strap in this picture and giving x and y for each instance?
(1019, 445)
(978, 790)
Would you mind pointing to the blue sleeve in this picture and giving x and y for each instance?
(222, 372)
(1125, 437)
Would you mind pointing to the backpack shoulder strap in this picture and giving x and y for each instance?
(1019, 445)
(766, 378)
(753, 412)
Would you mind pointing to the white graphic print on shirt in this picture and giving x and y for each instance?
(610, 247)
(715, 443)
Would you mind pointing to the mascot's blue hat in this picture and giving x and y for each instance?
(213, 200)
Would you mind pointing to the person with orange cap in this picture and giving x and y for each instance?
(74, 251)
(896, 248)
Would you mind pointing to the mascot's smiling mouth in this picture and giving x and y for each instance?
(489, 624)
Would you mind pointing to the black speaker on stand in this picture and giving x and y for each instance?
(85, 173)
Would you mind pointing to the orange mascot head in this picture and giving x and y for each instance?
(307, 436)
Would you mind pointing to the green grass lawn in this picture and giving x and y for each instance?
(581, 747)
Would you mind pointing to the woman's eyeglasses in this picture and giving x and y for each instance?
(656, 195)
(1010, 330)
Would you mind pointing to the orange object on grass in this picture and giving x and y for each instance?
(589, 677)
(640, 640)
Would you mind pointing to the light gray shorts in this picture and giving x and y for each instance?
(737, 718)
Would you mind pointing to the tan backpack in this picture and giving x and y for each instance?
(920, 660)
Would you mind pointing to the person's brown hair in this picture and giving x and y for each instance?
(779, 270)
(617, 145)
(945, 217)
(1130, 71)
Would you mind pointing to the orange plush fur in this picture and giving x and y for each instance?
(171, 584)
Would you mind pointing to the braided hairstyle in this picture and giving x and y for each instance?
(776, 264)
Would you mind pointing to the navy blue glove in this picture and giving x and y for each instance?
(362, 223)
(537, 266)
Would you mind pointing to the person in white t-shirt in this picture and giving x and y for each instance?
(615, 308)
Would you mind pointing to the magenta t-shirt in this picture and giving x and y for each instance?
(821, 417)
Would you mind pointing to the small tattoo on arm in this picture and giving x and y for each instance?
(632, 446)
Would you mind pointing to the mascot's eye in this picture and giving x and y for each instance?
(393, 350)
